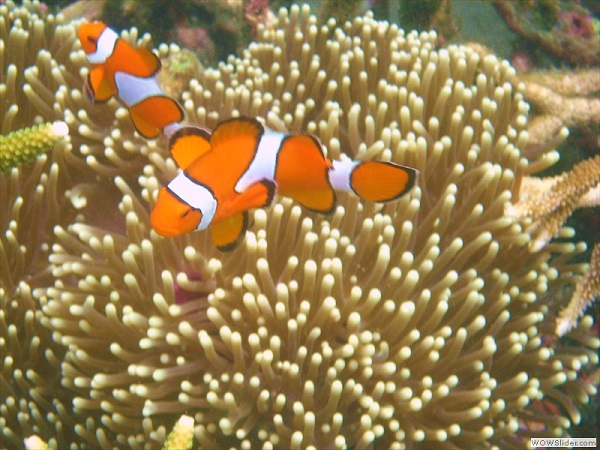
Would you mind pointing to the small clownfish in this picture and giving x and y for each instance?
(130, 74)
(242, 165)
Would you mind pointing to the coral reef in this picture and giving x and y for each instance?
(545, 204)
(211, 29)
(420, 323)
(564, 29)
(340, 11)
(423, 15)
(549, 202)
(586, 291)
(562, 99)
(258, 12)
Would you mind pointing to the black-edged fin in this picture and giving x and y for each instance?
(382, 181)
(236, 132)
(228, 233)
(189, 143)
(271, 190)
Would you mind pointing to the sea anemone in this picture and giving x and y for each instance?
(420, 323)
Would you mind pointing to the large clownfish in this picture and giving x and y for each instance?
(242, 165)
(130, 74)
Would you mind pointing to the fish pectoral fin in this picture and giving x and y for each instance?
(99, 87)
(189, 143)
(259, 195)
(381, 181)
(228, 233)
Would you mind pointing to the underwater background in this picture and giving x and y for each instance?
(460, 316)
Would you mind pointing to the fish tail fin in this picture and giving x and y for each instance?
(375, 181)
(154, 113)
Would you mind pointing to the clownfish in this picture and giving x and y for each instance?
(241, 165)
(130, 74)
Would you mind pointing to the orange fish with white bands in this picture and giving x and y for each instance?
(130, 74)
(242, 165)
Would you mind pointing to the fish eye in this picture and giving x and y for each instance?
(92, 39)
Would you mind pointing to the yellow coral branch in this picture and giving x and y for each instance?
(549, 202)
(24, 145)
(35, 442)
(586, 291)
(182, 436)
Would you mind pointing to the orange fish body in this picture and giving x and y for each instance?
(242, 165)
(130, 74)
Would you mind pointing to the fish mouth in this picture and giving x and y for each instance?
(162, 228)
(166, 232)
(174, 226)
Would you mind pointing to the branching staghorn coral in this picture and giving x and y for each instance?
(586, 291)
(548, 203)
(419, 323)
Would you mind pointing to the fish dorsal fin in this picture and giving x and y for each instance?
(189, 143)
(228, 233)
(239, 132)
(137, 61)
(151, 61)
